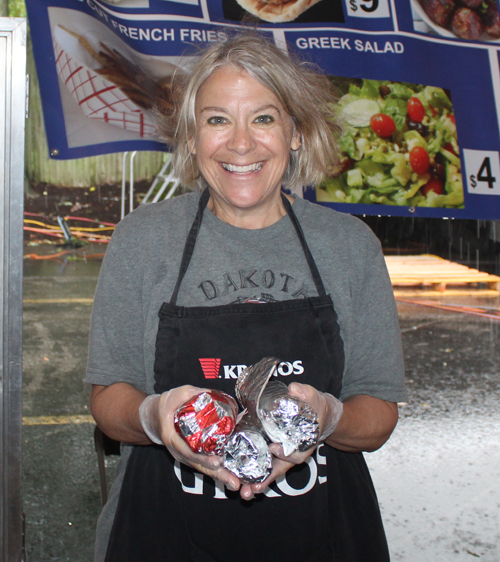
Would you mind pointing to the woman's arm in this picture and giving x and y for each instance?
(366, 424)
(116, 410)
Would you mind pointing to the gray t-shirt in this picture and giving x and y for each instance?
(231, 264)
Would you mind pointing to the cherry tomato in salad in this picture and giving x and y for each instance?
(416, 110)
(419, 159)
(434, 184)
(383, 125)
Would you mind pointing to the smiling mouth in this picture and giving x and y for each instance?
(242, 169)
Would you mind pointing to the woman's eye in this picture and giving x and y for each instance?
(216, 120)
(265, 119)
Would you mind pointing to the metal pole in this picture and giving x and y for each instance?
(131, 180)
(124, 183)
(12, 122)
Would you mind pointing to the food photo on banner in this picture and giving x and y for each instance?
(374, 15)
(104, 84)
(102, 75)
(299, 11)
(399, 147)
(465, 19)
(411, 144)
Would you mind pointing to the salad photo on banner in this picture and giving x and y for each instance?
(399, 147)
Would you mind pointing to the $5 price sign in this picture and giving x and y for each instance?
(483, 172)
(368, 8)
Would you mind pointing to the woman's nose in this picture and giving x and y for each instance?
(241, 139)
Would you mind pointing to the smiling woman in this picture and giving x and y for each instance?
(243, 142)
(239, 271)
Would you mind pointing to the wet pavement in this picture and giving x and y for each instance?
(60, 477)
(438, 478)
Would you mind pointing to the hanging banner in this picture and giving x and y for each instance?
(418, 84)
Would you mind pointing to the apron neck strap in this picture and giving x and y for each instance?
(190, 242)
(318, 282)
(195, 229)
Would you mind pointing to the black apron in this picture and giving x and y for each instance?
(323, 510)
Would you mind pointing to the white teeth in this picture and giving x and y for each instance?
(242, 169)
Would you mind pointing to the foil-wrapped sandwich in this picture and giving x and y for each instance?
(284, 419)
(206, 421)
(247, 453)
(287, 420)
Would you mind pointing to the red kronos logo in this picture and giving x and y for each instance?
(210, 368)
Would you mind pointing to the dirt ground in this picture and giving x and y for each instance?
(101, 203)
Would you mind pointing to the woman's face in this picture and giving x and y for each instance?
(243, 141)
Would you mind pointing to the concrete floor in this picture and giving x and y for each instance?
(438, 478)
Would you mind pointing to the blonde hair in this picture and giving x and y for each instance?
(307, 96)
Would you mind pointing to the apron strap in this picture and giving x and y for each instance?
(195, 228)
(320, 288)
(190, 242)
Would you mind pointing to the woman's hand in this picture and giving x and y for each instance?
(167, 405)
(116, 411)
(328, 410)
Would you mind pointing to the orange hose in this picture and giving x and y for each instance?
(49, 257)
(452, 308)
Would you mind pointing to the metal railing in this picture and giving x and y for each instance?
(163, 186)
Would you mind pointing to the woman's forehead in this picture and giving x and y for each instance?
(229, 82)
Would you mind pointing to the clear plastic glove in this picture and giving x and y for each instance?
(148, 411)
(156, 415)
(329, 410)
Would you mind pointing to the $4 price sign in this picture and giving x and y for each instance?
(483, 172)
(368, 8)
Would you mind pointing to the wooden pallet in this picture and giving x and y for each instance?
(436, 272)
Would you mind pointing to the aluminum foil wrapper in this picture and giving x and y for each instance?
(285, 419)
(206, 421)
(247, 454)
(251, 384)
